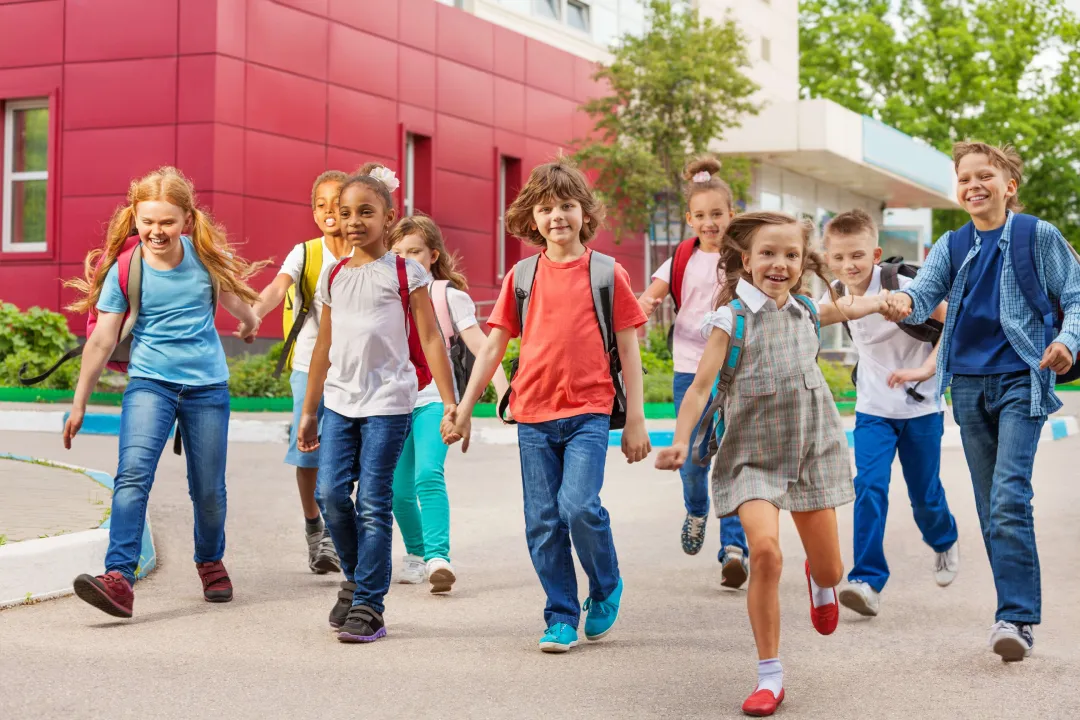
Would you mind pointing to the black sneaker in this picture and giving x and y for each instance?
(340, 611)
(363, 625)
(1012, 641)
(693, 533)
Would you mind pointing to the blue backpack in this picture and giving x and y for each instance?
(1022, 254)
(715, 412)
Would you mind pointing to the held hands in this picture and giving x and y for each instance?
(1058, 358)
(635, 441)
(898, 306)
(307, 435)
(672, 458)
(456, 426)
(248, 327)
(73, 425)
(648, 304)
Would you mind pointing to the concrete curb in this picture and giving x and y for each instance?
(44, 568)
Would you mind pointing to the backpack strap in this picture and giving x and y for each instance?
(403, 286)
(732, 358)
(809, 305)
(333, 274)
(439, 298)
(679, 260)
(1022, 246)
(602, 282)
(129, 275)
(524, 277)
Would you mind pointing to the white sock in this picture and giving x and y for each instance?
(770, 676)
(822, 596)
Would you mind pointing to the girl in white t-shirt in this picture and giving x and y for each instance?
(361, 369)
(420, 476)
(697, 281)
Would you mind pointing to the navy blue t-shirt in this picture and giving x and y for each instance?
(979, 345)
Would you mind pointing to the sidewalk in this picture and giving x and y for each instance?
(39, 500)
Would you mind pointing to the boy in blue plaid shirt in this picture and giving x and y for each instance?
(996, 356)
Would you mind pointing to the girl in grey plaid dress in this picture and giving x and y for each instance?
(783, 446)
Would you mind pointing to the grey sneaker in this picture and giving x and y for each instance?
(946, 565)
(693, 533)
(861, 598)
(1012, 641)
(340, 612)
(322, 557)
(734, 567)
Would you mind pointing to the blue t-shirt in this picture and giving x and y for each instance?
(174, 338)
(979, 345)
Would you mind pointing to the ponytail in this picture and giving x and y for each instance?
(100, 260)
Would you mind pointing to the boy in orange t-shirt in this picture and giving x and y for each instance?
(562, 399)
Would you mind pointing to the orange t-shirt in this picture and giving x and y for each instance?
(563, 369)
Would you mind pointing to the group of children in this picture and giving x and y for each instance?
(373, 382)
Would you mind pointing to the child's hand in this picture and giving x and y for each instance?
(307, 435)
(1058, 358)
(899, 306)
(672, 458)
(72, 426)
(247, 329)
(909, 375)
(635, 441)
(648, 304)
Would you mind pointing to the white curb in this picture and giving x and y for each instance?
(45, 568)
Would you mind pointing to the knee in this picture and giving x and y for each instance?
(577, 511)
(766, 559)
(828, 574)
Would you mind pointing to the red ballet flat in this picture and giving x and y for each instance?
(826, 617)
(762, 703)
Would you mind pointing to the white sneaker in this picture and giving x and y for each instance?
(412, 570)
(947, 564)
(441, 574)
(861, 598)
(1012, 641)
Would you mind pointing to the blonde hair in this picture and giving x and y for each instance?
(558, 179)
(739, 239)
(445, 266)
(852, 222)
(167, 184)
(328, 176)
(711, 165)
(1004, 157)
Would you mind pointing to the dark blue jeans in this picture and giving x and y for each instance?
(562, 471)
(877, 441)
(695, 479)
(1000, 438)
(149, 410)
(361, 452)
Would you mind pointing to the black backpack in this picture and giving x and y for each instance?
(461, 358)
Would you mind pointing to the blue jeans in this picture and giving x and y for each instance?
(149, 410)
(1000, 439)
(361, 452)
(877, 441)
(562, 471)
(298, 383)
(695, 479)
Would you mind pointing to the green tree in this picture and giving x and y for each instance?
(1000, 71)
(672, 91)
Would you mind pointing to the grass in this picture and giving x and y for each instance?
(3, 540)
(105, 515)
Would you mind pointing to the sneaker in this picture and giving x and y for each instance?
(734, 567)
(340, 611)
(762, 703)
(362, 625)
(602, 615)
(559, 638)
(412, 570)
(111, 593)
(441, 574)
(322, 556)
(1012, 641)
(216, 585)
(693, 533)
(946, 565)
(861, 598)
(826, 617)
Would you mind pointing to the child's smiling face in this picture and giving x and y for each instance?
(983, 189)
(775, 261)
(709, 215)
(160, 225)
(363, 217)
(559, 220)
(852, 257)
(325, 211)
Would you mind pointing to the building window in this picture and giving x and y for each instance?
(453, 3)
(577, 15)
(508, 251)
(26, 175)
(547, 8)
(410, 174)
(416, 197)
(766, 49)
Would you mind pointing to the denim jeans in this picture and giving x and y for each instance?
(149, 410)
(695, 479)
(562, 471)
(361, 452)
(877, 441)
(1000, 439)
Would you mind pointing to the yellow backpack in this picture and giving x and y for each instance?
(295, 313)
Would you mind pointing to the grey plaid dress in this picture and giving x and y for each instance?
(783, 440)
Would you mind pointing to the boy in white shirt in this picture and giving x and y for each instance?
(896, 411)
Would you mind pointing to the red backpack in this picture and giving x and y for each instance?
(679, 261)
(416, 349)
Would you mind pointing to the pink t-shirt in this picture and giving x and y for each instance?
(699, 290)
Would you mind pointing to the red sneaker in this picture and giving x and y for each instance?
(215, 581)
(762, 703)
(111, 593)
(826, 617)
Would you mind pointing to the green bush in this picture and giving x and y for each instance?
(38, 338)
(658, 388)
(838, 376)
(253, 375)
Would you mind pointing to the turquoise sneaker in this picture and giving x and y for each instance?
(602, 615)
(559, 638)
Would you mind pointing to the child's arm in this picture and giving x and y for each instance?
(929, 367)
(249, 320)
(1062, 269)
(99, 348)
(273, 294)
(695, 400)
(458, 425)
(434, 349)
(653, 296)
(852, 307)
(930, 287)
(635, 438)
(474, 339)
(307, 434)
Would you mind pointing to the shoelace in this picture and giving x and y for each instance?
(941, 562)
(602, 607)
(1007, 626)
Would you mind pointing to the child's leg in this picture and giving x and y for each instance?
(875, 448)
(694, 477)
(761, 520)
(431, 480)
(338, 473)
(203, 413)
(548, 537)
(406, 511)
(146, 417)
(920, 456)
(579, 501)
(382, 438)
(306, 464)
(821, 541)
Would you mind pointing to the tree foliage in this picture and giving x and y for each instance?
(672, 91)
(1000, 71)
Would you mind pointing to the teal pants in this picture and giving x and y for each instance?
(421, 505)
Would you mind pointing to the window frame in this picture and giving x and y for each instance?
(585, 12)
(10, 177)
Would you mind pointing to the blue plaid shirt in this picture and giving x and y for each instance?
(1059, 273)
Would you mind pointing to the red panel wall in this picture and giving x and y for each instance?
(253, 98)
